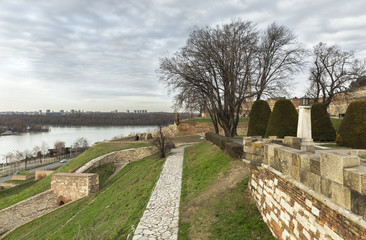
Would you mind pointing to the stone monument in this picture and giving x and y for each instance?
(304, 125)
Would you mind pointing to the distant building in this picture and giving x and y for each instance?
(127, 111)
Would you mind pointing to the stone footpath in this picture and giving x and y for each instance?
(160, 219)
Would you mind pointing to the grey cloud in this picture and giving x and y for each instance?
(105, 49)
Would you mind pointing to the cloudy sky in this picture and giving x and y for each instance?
(102, 55)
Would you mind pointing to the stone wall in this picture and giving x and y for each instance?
(22, 177)
(72, 186)
(40, 174)
(302, 195)
(27, 210)
(119, 157)
(200, 128)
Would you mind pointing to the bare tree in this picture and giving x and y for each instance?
(36, 152)
(8, 157)
(60, 148)
(19, 156)
(333, 71)
(44, 149)
(279, 56)
(216, 62)
(27, 154)
(162, 141)
(80, 145)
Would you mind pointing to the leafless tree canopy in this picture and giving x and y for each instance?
(216, 63)
(332, 72)
(219, 67)
(279, 56)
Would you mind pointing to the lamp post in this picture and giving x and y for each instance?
(304, 125)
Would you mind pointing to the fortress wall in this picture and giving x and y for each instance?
(200, 128)
(27, 210)
(302, 195)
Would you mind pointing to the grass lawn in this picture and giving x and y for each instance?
(336, 123)
(109, 214)
(332, 145)
(93, 152)
(17, 189)
(215, 201)
(104, 172)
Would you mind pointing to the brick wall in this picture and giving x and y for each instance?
(302, 195)
(27, 210)
(72, 186)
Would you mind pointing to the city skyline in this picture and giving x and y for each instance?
(103, 55)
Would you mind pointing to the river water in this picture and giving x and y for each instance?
(68, 135)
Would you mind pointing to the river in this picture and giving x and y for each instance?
(68, 135)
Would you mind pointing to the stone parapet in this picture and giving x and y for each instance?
(339, 179)
(27, 210)
(123, 156)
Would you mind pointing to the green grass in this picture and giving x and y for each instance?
(44, 184)
(17, 189)
(109, 214)
(332, 145)
(20, 181)
(336, 123)
(104, 172)
(238, 217)
(25, 173)
(205, 119)
(202, 164)
(230, 215)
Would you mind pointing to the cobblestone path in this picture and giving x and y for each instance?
(160, 219)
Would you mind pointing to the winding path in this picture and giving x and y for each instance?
(160, 219)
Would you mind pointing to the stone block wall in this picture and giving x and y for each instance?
(123, 156)
(22, 177)
(72, 186)
(332, 182)
(200, 128)
(27, 210)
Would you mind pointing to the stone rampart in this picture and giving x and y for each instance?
(72, 186)
(22, 177)
(200, 128)
(27, 210)
(123, 156)
(302, 195)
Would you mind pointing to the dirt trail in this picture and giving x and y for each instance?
(197, 211)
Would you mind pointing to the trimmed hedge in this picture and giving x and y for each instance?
(352, 131)
(283, 120)
(321, 126)
(217, 139)
(234, 149)
(259, 116)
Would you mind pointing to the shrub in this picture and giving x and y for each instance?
(321, 126)
(283, 120)
(259, 117)
(234, 149)
(352, 131)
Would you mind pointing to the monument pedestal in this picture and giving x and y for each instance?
(304, 129)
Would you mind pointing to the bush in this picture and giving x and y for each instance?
(217, 139)
(283, 120)
(259, 117)
(352, 131)
(321, 126)
(234, 150)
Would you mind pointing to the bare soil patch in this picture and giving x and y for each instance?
(198, 212)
